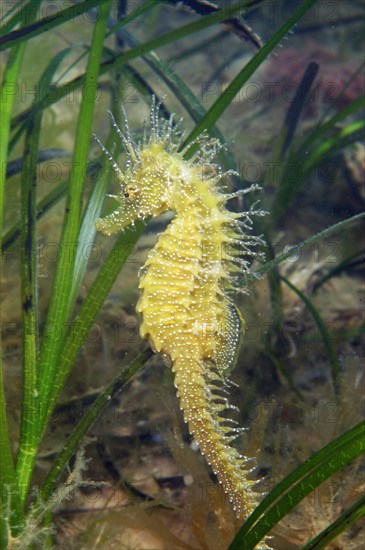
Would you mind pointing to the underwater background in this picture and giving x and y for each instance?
(299, 379)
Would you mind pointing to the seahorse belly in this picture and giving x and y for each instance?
(167, 285)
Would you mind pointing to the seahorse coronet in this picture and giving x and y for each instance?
(185, 285)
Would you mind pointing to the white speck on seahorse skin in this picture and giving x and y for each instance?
(185, 284)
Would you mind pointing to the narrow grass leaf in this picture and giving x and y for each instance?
(341, 95)
(275, 290)
(296, 174)
(225, 99)
(46, 203)
(133, 15)
(87, 230)
(296, 107)
(88, 419)
(115, 28)
(294, 250)
(347, 135)
(183, 93)
(8, 483)
(35, 29)
(59, 308)
(29, 284)
(120, 60)
(18, 17)
(284, 371)
(60, 304)
(326, 337)
(298, 484)
(313, 151)
(349, 516)
(91, 306)
(353, 260)
(15, 166)
(29, 302)
(350, 109)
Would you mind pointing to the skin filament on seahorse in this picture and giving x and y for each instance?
(186, 283)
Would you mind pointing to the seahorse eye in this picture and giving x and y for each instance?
(130, 193)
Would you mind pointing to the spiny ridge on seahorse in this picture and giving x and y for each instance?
(187, 311)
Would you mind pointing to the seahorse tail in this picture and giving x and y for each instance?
(202, 407)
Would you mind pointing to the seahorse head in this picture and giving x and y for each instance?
(156, 177)
(146, 187)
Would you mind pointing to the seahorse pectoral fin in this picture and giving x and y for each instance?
(235, 330)
(241, 327)
(230, 341)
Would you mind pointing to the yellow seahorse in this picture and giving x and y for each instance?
(187, 312)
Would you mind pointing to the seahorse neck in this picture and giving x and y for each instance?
(191, 194)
